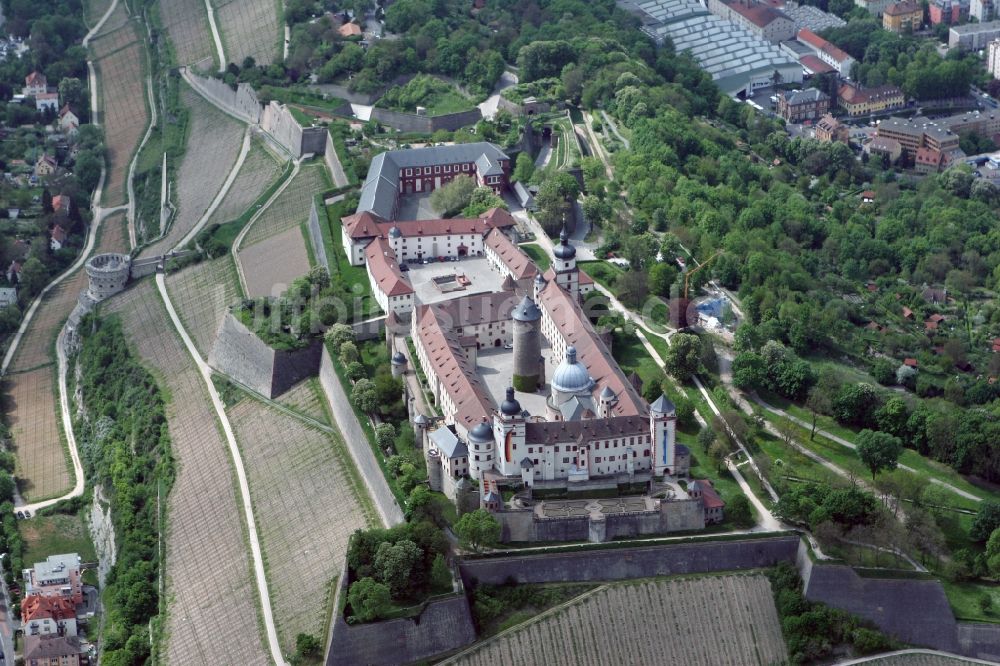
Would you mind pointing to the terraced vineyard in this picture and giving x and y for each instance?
(920, 660)
(305, 398)
(306, 505)
(250, 28)
(291, 208)
(259, 170)
(201, 294)
(214, 143)
(119, 58)
(30, 391)
(271, 265)
(213, 605)
(95, 10)
(186, 22)
(710, 621)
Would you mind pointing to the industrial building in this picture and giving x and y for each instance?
(738, 61)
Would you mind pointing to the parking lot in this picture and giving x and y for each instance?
(476, 270)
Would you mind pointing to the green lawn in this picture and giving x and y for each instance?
(632, 356)
(54, 535)
(538, 255)
(603, 272)
(436, 96)
(355, 277)
(303, 97)
(964, 599)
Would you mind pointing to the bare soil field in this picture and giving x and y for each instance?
(213, 615)
(213, 144)
(259, 170)
(202, 293)
(270, 265)
(186, 22)
(119, 59)
(709, 621)
(305, 398)
(306, 510)
(249, 28)
(292, 206)
(42, 468)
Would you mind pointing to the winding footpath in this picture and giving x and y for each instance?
(130, 182)
(251, 524)
(215, 35)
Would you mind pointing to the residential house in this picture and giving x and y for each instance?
(868, 197)
(881, 145)
(57, 237)
(829, 129)
(929, 160)
(903, 17)
(973, 36)
(69, 123)
(8, 296)
(350, 30)
(47, 102)
(907, 313)
(57, 576)
(42, 650)
(858, 101)
(934, 295)
(996, 345)
(911, 362)
(45, 166)
(14, 271)
(61, 203)
(983, 10)
(47, 616)
(35, 84)
(949, 12)
(800, 105)
(827, 52)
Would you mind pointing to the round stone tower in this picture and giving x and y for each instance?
(398, 364)
(434, 471)
(527, 320)
(107, 275)
(481, 445)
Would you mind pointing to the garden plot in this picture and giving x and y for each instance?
(291, 207)
(705, 621)
(119, 58)
(270, 266)
(306, 508)
(259, 170)
(213, 145)
(186, 22)
(42, 467)
(250, 28)
(305, 398)
(201, 294)
(213, 615)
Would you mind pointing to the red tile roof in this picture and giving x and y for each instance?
(912, 362)
(36, 79)
(349, 30)
(815, 65)
(60, 202)
(384, 268)
(760, 15)
(516, 260)
(907, 312)
(574, 327)
(37, 607)
(58, 233)
(809, 37)
(936, 317)
(368, 225)
(709, 498)
(930, 325)
(903, 8)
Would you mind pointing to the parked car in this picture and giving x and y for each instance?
(404, 267)
(508, 346)
(27, 514)
(20, 514)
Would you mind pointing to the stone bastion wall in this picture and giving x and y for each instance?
(239, 353)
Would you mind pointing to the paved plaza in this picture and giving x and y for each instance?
(416, 207)
(496, 367)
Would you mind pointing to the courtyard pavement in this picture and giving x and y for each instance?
(416, 207)
(496, 367)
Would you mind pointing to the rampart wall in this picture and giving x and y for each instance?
(411, 122)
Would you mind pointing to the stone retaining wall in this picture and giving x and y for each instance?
(410, 122)
(316, 237)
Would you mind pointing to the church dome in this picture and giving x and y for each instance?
(564, 250)
(481, 434)
(510, 406)
(570, 376)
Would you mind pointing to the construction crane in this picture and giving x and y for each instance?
(688, 274)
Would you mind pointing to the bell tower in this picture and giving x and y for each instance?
(663, 432)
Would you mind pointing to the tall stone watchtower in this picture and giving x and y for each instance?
(527, 320)
(663, 429)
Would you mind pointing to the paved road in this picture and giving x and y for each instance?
(215, 35)
(614, 130)
(960, 659)
(241, 475)
(489, 107)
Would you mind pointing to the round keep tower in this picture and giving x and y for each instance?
(481, 445)
(434, 472)
(527, 320)
(107, 275)
(398, 364)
